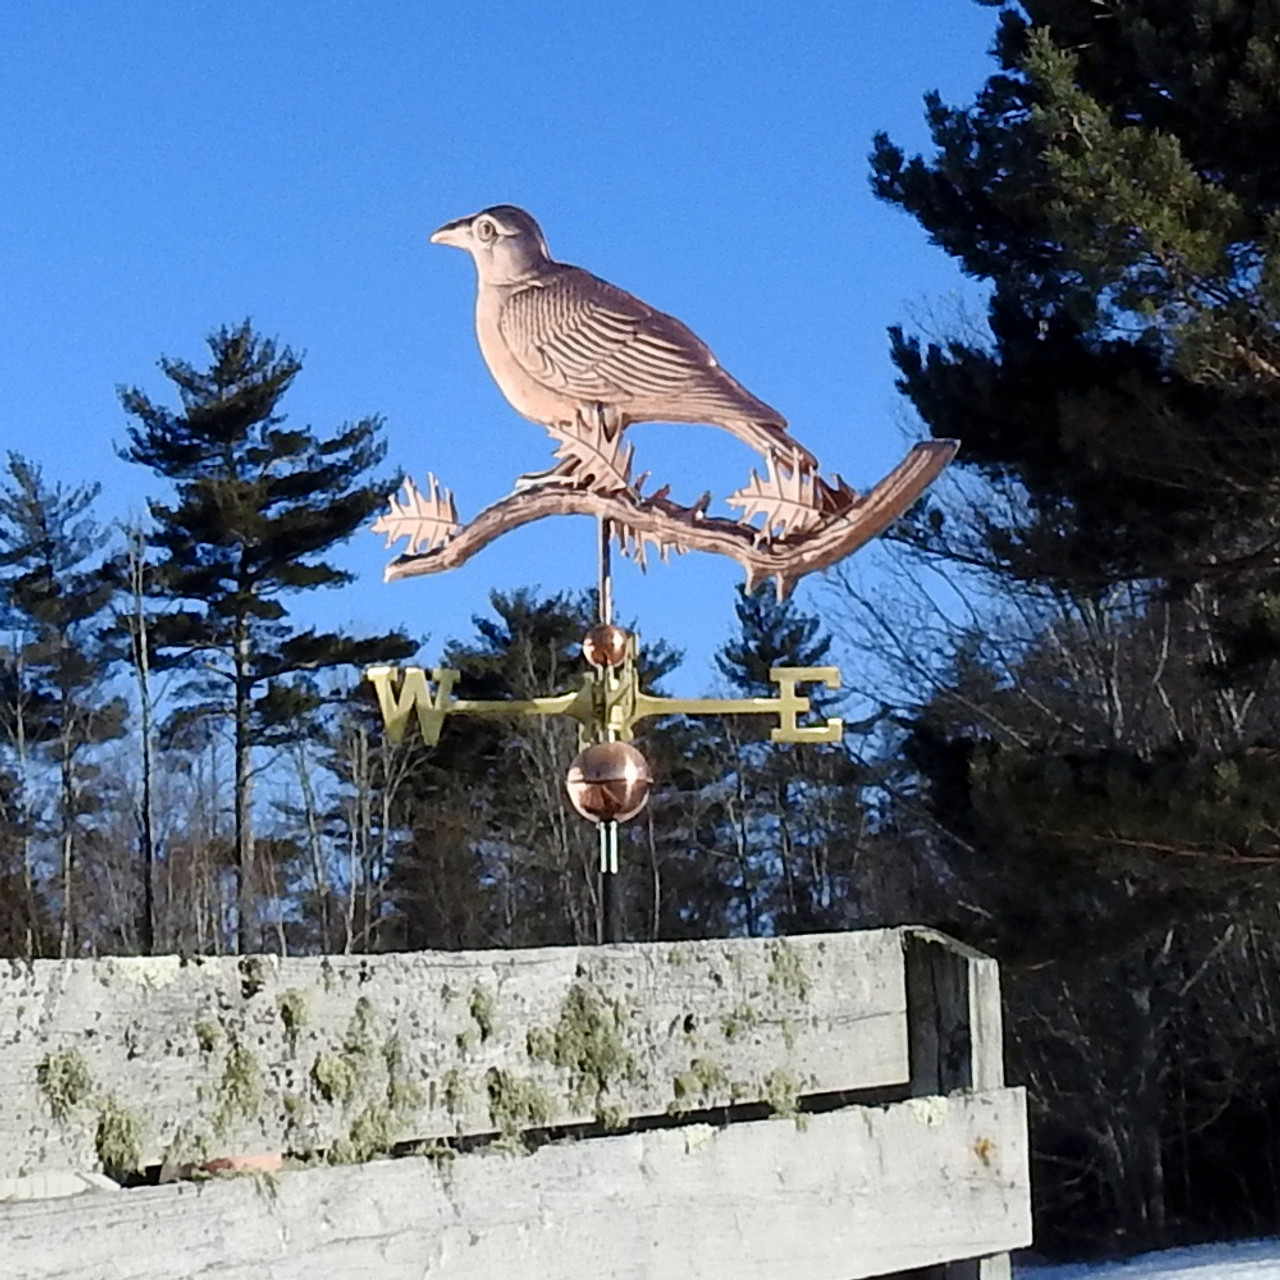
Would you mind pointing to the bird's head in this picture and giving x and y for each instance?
(505, 242)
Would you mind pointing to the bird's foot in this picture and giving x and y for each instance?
(599, 417)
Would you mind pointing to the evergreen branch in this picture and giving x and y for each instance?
(1154, 846)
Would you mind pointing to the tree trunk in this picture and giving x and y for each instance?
(1147, 1156)
(67, 942)
(244, 830)
(24, 808)
(146, 817)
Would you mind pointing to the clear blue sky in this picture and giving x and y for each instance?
(168, 166)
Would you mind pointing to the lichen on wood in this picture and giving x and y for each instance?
(786, 973)
(782, 1093)
(587, 1043)
(456, 1094)
(252, 976)
(483, 1008)
(293, 1014)
(404, 1094)
(334, 1077)
(64, 1081)
(702, 1085)
(118, 1140)
(240, 1089)
(516, 1104)
(372, 1134)
(737, 1023)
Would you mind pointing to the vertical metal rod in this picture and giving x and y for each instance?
(605, 591)
(610, 890)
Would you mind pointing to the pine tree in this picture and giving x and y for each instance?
(55, 589)
(1113, 184)
(792, 813)
(1096, 796)
(772, 633)
(257, 507)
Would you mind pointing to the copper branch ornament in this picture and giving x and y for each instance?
(586, 360)
(659, 523)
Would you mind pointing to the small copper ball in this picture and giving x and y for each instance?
(605, 645)
(609, 781)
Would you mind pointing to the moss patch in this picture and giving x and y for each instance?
(207, 1036)
(293, 1014)
(65, 1082)
(483, 1008)
(587, 1043)
(516, 1104)
(118, 1140)
(786, 973)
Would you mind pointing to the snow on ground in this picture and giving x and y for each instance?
(1248, 1260)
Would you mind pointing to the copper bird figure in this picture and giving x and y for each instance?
(565, 346)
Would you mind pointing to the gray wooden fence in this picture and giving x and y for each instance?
(824, 1107)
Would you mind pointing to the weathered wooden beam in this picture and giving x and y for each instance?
(957, 1043)
(858, 1192)
(124, 1063)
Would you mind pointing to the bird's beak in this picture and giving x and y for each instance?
(454, 233)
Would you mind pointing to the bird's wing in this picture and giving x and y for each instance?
(579, 334)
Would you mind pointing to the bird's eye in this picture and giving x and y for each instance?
(485, 230)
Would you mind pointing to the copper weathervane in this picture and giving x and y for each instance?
(586, 360)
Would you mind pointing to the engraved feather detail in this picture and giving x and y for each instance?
(590, 341)
(559, 340)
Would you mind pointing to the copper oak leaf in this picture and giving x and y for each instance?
(786, 500)
(428, 519)
(594, 458)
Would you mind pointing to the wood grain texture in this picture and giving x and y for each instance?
(859, 1192)
(201, 1058)
(957, 1042)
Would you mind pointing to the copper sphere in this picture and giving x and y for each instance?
(605, 645)
(609, 781)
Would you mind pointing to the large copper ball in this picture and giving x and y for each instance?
(609, 780)
(605, 645)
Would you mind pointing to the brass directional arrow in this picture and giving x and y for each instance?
(607, 706)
